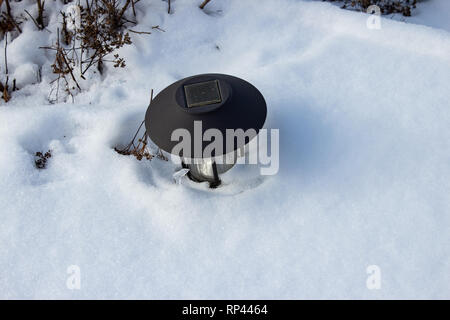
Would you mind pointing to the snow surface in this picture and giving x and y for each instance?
(364, 166)
(433, 13)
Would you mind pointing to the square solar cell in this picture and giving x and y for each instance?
(202, 93)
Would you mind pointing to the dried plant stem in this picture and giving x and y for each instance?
(70, 69)
(124, 8)
(139, 32)
(10, 17)
(132, 7)
(204, 3)
(6, 55)
(33, 19)
(140, 149)
(40, 17)
(4, 88)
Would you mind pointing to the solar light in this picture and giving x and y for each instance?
(216, 101)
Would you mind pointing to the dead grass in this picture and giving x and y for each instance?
(404, 7)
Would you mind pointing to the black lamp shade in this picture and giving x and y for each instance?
(217, 100)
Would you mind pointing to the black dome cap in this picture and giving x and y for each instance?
(220, 101)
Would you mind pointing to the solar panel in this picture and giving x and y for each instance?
(202, 93)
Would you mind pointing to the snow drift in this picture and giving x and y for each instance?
(364, 164)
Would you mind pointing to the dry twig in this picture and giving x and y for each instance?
(204, 3)
(139, 149)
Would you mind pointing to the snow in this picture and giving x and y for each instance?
(433, 13)
(364, 163)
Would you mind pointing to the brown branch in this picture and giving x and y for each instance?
(147, 32)
(5, 87)
(8, 7)
(158, 28)
(91, 62)
(40, 18)
(6, 56)
(10, 17)
(123, 10)
(34, 20)
(139, 150)
(139, 32)
(204, 3)
(70, 69)
(128, 20)
(132, 6)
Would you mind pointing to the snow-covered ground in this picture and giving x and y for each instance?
(364, 163)
(433, 13)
